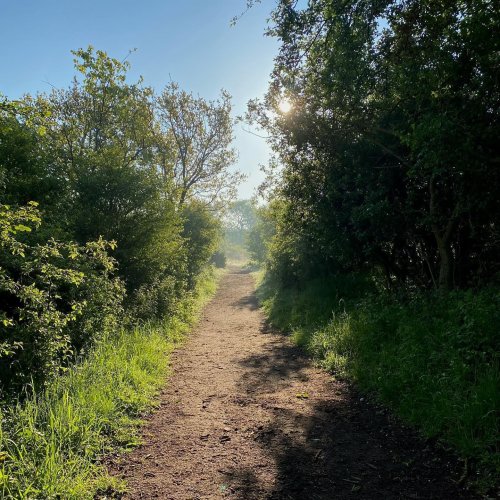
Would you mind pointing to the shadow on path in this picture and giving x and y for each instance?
(247, 302)
(329, 442)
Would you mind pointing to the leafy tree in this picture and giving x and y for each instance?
(389, 161)
(238, 221)
(201, 132)
(202, 232)
(262, 232)
(29, 171)
(103, 130)
(96, 163)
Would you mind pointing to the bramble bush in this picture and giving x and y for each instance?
(57, 298)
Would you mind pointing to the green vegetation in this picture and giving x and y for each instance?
(388, 156)
(110, 202)
(105, 216)
(238, 222)
(380, 237)
(59, 298)
(53, 440)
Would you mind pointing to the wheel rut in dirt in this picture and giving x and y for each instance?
(247, 415)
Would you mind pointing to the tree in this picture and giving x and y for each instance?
(261, 233)
(29, 171)
(102, 130)
(388, 151)
(239, 220)
(202, 231)
(201, 131)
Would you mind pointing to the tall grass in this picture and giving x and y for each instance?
(432, 357)
(52, 442)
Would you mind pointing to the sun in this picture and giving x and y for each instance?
(285, 105)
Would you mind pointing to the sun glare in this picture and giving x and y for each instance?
(285, 105)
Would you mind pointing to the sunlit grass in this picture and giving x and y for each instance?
(51, 443)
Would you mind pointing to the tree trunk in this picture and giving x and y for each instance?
(443, 238)
(445, 281)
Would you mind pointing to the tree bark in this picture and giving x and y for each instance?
(443, 239)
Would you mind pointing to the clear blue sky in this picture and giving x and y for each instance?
(188, 41)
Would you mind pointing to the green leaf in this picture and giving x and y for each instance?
(22, 227)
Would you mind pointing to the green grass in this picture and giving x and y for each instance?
(52, 442)
(433, 358)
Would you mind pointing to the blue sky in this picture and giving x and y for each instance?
(188, 41)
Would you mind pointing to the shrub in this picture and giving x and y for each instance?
(219, 259)
(202, 234)
(56, 298)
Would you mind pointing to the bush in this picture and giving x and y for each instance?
(201, 232)
(57, 298)
(219, 260)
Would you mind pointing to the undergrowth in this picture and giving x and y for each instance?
(432, 357)
(52, 442)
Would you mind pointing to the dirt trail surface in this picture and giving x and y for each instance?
(246, 415)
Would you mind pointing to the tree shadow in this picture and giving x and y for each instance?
(234, 269)
(247, 302)
(342, 447)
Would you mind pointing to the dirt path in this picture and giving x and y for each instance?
(245, 415)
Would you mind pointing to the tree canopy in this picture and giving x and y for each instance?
(106, 205)
(389, 155)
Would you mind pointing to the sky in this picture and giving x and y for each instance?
(190, 42)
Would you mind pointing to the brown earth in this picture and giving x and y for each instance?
(246, 415)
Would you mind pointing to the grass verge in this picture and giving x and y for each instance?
(432, 357)
(52, 442)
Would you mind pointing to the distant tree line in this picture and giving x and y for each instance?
(110, 201)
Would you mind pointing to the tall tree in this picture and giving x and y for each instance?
(388, 151)
(239, 219)
(202, 133)
(103, 130)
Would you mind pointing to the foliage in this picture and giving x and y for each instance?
(389, 153)
(103, 131)
(56, 298)
(262, 233)
(26, 171)
(52, 442)
(97, 163)
(201, 134)
(202, 234)
(238, 222)
(105, 167)
(117, 249)
(388, 178)
(219, 259)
